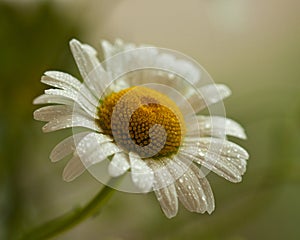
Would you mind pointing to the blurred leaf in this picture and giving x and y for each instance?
(32, 38)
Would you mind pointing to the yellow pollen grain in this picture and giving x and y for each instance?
(135, 111)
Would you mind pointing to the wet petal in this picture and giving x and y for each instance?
(142, 175)
(225, 158)
(118, 165)
(50, 99)
(91, 149)
(93, 144)
(60, 80)
(73, 95)
(90, 68)
(49, 113)
(162, 176)
(66, 146)
(187, 194)
(217, 127)
(206, 189)
(208, 95)
(167, 197)
(85, 57)
(164, 187)
(73, 169)
(188, 71)
(71, 120)
(190, 192)
(113, 49)
(69, 83)
(176, 167)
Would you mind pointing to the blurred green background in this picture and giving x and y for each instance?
(251, 45)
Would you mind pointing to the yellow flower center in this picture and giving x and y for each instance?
(143, 121)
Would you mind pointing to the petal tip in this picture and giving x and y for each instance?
(36, 113)
(225, 91)
(53, 158)
(105, 43)
(170, 216)
(243, 136)
(74, 41)
(210, 211)
(69, 175)
(36, 101)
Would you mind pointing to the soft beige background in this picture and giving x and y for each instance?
(252, 46)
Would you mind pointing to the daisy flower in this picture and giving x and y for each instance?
(138, 111)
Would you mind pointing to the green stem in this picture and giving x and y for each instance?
(70, 219)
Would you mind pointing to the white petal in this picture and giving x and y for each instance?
(146, 56)
(68, 121)
(208, 95)
(222, 157)
(224, 169)
(85, 93)
(226, 148)
(113, 49)
(190, 192)
(142, 176)
(95, 147)
(118, 165)
(218, 127)
(99, 154)
(162, 176)
(107, 49)
(167, 198)
(66, 147)
(90, 68)
(188, 70)
(117, 63)
(85, 57)
(166, 61)
(68, 83)
(164, 187)
(86, 105)
(49, 113)
(91, 149)
(176, 167)
(49, 99)
(90, 142)
(185, 69)
(206, 189)
(61, 80)
(73, 169)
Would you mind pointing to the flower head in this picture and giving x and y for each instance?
(138, 113)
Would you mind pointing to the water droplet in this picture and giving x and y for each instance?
(171, 75)
(201, 153)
